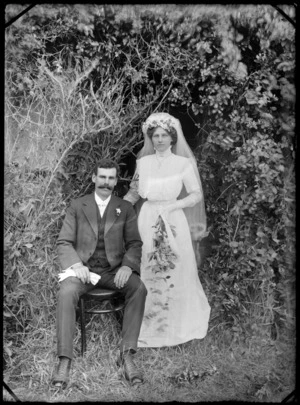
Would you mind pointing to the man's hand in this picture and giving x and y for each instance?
(82, 272)
(122, 276)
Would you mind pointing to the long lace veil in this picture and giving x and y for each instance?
(196, 215)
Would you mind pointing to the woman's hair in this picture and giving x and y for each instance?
(171, 131)
(106, 164)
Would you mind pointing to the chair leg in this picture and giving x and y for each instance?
(117, 313)
(82, 326)
(119, 317)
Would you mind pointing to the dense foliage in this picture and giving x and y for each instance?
(79, 82)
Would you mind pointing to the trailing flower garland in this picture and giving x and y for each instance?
(162, 258)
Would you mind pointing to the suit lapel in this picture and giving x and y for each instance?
(89, 207)
(111, 214)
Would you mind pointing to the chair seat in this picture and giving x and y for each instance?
(102, 294)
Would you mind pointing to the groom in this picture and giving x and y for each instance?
(100, 234)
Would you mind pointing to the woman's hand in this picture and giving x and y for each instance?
(166, 209)
(188, 201)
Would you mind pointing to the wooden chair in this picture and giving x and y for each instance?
(110, 302)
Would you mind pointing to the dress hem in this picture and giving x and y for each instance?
(142, 345)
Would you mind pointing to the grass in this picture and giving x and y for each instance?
(254, 369)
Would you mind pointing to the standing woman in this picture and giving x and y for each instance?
(177, 309)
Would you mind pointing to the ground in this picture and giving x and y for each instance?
(216, 368)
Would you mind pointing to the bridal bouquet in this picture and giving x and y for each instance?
(162, 258)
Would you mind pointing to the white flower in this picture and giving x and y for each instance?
(118, 211)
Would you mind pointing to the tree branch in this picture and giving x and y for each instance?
(56, 167)
(83, 76)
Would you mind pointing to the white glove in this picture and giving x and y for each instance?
(189, 201)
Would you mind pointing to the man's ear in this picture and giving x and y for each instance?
(94, 178)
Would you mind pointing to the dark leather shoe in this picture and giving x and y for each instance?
(61, 377)
(131, 372)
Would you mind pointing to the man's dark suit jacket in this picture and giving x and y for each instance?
(78, 237)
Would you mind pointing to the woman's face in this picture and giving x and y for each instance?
(161, 139)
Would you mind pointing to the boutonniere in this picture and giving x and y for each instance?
(118, 211)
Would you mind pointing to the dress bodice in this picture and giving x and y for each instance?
(162, 179)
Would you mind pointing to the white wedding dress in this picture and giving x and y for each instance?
(176, 309)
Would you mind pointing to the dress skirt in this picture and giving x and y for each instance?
(177, 309)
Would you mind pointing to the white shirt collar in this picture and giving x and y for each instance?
(101, 202)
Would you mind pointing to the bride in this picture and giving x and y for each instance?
(166, 176)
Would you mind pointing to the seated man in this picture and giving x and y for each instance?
(100, 234)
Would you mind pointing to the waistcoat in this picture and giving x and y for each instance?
(99, 259)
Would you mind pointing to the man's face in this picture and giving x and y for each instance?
(105, 181)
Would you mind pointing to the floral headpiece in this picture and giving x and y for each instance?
(163, 120)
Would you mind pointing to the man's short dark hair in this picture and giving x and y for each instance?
(106, 164)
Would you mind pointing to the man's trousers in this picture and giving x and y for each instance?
(72, 288)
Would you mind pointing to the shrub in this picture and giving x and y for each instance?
(79, 82)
